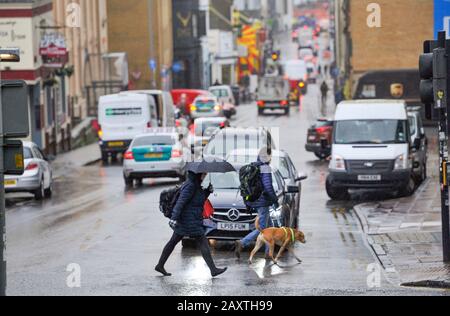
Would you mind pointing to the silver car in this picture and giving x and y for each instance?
(157, 154)
(37, 178)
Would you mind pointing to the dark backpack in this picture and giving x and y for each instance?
(168, 200)
(251, 184)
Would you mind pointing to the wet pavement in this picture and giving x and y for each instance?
(116, 235)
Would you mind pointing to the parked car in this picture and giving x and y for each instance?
(371, 149)
(280, 161)
(160, 153)
(121, 117)
(202, 131)
(420, 145)
(206, 106)
(37, 178)
(319, 139)
(225, 141)
(231, 219)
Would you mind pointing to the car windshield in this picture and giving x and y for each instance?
(277, 162)
(220, 93)
(371, 132)
(227, 181)
(154, 140)
(207, 128)
(223, 144)
(208, 103)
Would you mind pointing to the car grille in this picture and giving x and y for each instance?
(221, 215)
(370, 166)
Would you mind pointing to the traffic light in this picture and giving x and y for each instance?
(276, 56)
(434, 79)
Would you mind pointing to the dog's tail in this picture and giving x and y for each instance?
(258, 227)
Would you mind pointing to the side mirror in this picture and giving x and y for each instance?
(301, 177)
(292, 189)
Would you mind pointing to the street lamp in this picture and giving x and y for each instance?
(6, 55)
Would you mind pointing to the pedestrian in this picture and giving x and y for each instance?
(262, 205)
(187, 221)
(182, 104)
(324, 89)
(217, 83)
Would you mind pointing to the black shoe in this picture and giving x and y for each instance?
(163, 271)
(238, 249)
(218, 272)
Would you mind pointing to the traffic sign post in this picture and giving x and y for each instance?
(434, 89)
(14, 122)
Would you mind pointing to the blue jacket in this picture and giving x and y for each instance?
(269, 197)
(188, 211)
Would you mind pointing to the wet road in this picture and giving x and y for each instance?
(116, 235)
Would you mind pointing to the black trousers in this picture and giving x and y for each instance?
(202, 243)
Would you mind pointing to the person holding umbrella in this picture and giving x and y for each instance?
(187, 219)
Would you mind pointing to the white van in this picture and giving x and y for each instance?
(371, 148)
(165, 108)
(122, 117)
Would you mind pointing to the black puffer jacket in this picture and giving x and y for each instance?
(188, 211)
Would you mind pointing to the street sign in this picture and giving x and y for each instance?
(441, 16)
(178, 67)
(152, 64)
(13, 158)
(14, 96)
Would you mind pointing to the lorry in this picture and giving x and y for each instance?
(273, 94)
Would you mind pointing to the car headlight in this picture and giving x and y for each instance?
(403, 162)
(337, 163)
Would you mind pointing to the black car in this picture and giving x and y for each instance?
(231, 219)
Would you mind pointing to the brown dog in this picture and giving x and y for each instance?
(283, 237)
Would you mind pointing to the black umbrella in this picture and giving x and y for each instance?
(215, 166)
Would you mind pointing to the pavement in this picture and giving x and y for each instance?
(406, 235)
(80, 157)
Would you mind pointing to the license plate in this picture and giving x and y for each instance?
(233, 227)
(116, 144)
(312, 138)
(10, 183)
(153, 156)
(369, 178)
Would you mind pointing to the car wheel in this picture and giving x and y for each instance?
(337, 194)
(105, 157)
(128, 181)
(424, 172)
(287, 111)
(321, 156)
(260, 112)
(39, 194)
(410, 188)
(49, 191)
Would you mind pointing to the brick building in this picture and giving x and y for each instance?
(405, 24)
(142, 29)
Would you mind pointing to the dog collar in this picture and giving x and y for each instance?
(287, 235)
